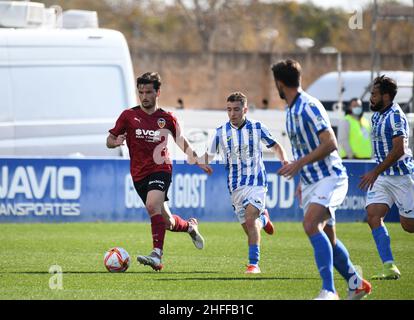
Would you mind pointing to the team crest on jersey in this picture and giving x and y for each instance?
(161, 122)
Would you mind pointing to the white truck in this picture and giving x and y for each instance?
(63, 81)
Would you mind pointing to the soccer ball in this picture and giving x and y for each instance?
(116, 260)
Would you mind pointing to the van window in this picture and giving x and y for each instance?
(67, 92)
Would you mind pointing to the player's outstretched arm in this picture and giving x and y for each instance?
(280, 153)
(397, 151)
(113, 141)
(192, 157)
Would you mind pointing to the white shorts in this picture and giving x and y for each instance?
(245, 195)
(329, 192)
(394, 189)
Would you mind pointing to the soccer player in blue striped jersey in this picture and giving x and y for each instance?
(323, 180)
(392, 180)
(239, 142)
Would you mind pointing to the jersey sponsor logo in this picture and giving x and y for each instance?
(156, 181)
(161, 122)
(148, 135)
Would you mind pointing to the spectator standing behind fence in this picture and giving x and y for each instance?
(354, 133)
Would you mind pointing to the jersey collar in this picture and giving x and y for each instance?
(387, 108)
(241, 126)
(294, 100)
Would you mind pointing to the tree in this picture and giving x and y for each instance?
(204, 15)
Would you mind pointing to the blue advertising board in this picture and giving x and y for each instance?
(77, 190)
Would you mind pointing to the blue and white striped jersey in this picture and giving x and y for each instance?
(242, 152)
(385, 126)
(305, 119)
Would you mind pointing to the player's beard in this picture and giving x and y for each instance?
(281, 93)
(376, 107)
(148, 104)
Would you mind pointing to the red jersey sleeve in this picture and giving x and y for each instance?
(120, 125)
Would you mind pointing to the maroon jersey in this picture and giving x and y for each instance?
(147, 138)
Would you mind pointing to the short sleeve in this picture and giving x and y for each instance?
(120, 125)
(214, 144)
(317, 119)
(266, 137)
(397, 125)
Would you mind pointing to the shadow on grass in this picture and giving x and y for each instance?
(106, 272)
(246, 278)
(146, 272)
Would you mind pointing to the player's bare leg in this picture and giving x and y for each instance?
(407, 224)
(375, 217)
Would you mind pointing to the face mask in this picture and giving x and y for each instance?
(357, 111)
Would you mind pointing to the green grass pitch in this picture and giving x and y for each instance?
(217, 272)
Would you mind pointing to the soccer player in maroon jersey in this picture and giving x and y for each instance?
(145, 129)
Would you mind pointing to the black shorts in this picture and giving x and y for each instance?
(155, 181)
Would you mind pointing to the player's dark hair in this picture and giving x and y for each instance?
(237, 96)
(386, 85)
(148, 78)
(287, 71)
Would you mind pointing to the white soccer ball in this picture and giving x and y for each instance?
(116, 260)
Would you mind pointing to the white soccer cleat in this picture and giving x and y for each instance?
(364, 290)
(251, 268)
(153, 260)
(327, 295)
(195, 235)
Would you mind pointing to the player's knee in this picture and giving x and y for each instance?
(152, 208)
(250, 223)
(310, 227)
(374, 221)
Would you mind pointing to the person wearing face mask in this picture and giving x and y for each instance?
(354, 133)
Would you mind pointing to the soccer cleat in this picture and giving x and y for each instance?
(251, 268)
(327, 295)
(195, 235)
(268, 228)
(389, 272)
(153, 260)
(361, 292)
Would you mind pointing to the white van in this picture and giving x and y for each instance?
(356, 84)
(61, 88)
